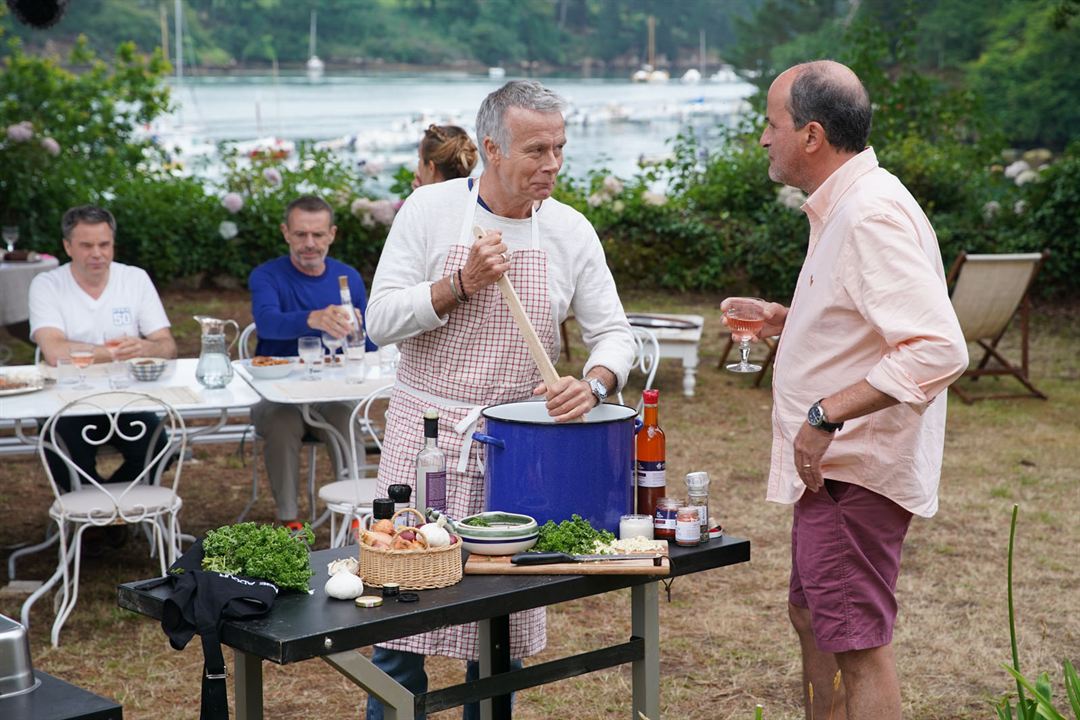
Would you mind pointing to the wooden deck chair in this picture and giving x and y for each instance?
(989, 290)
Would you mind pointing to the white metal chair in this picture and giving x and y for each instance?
(146, 500)
(646, 359)
(351, 499)
(247, 351)
(989, 291)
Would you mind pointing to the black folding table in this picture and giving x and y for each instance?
(300, 627)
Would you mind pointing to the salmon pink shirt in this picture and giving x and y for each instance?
(871, 304)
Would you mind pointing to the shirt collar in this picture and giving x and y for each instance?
(821, 203)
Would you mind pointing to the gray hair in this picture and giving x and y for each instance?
(524, 94)
(88, 214)
(836, 98)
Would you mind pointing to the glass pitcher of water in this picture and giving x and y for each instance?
(214, 369)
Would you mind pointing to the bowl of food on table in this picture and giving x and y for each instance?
(266, 367)
(147, 369)
(497, 533)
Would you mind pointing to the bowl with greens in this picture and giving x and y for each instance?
(497, 533)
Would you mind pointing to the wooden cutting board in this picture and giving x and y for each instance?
(501, 565)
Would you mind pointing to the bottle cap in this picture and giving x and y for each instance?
(697, 480)
(399, 493)
(651, 396)
(431, 414)
(382, 508)
(368, 601)
(408, 597)
(343, 281)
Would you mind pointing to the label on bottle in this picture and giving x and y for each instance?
(436, 490)
(651, 474)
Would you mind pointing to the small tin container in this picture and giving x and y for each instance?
(368, 601)
(390, 589)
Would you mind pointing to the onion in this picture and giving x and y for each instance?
(435, 534)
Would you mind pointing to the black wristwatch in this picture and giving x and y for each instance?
(816, 418)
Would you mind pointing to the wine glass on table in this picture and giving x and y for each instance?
(310, 350)
(82, 357)
(333, 344)
(745, 318)
(10, 234)
(113, 338)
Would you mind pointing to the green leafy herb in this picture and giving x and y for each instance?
(575, 536)
(477, 522)
(261, 551)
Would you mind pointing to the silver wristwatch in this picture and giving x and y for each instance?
(599, 390)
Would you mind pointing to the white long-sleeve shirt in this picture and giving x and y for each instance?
(429, 223)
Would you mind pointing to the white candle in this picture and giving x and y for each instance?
(631, 526)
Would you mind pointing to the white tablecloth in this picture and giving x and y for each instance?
(15, 280)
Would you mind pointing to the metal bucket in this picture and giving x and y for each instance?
(551, 471)
(16, 670)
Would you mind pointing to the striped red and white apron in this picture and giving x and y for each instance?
(477, 359)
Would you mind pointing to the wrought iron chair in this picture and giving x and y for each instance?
(646, 359)
(145, 500)
(351, 499)
(989, 291)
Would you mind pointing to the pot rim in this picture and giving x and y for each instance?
(631, 413)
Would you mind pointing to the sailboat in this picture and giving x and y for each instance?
(315, 66)
(648, 72)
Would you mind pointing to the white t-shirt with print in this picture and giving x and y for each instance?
(130, 305)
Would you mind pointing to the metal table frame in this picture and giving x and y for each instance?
(301, 627)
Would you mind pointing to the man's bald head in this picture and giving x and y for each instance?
(829, 93)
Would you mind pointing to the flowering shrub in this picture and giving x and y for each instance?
(24, 157)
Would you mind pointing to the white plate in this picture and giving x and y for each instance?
(271, 372)
(33, 382)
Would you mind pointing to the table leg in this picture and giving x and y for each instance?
(249, 686)
(494, 647)
(339, 445)
(690, 373)
(645, 624)
(398, 703)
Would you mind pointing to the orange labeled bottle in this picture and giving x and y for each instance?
(651, 469)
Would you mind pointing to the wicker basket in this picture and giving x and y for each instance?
(411, 569)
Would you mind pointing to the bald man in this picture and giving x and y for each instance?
(867, 350)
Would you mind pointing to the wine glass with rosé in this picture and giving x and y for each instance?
(82, 357)
(745, 318)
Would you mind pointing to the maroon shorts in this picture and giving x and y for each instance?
(845, 558)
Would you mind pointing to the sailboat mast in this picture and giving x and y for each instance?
(701, 56)
(311, 38)
(178, 11)
(652, 41)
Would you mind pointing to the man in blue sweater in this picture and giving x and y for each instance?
(293, 296)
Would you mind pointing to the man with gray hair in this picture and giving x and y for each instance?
(867, 350)
(434, 294)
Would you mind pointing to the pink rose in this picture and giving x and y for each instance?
(51, 146)
(232, 202)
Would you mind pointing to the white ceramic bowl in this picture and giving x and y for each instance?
(272, 372)
(508, 533)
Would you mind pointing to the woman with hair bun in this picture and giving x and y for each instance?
(446, 152)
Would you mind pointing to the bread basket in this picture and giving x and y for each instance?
(411, 569)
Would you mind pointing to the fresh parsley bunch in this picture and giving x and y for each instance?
(261, 551)
(574, 536)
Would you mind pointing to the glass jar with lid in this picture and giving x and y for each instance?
(667, 509)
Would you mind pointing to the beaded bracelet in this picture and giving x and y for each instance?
(461, 286)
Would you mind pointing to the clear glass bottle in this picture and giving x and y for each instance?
(431, 467)
(651, 451)
(697, 490)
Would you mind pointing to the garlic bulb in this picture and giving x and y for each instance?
(436, 535)
(344, 586)
(348, 564)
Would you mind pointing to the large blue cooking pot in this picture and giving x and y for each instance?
(551, 470)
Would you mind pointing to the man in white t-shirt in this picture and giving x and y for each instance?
(111, 307)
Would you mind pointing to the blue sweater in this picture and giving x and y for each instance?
(282, 297)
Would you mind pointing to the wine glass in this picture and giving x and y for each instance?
(113, 338)
(82, 356)
(333, 344)
(10, 234)
(745, 317)
(309, 348)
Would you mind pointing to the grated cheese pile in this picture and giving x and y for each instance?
(638, 544)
